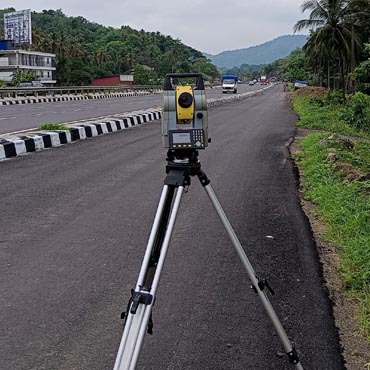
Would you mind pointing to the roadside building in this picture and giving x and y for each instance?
(40, 64)
(126, 80)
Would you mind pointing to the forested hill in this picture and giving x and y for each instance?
(265, 53)
(86, 50)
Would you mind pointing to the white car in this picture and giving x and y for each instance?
(251, 83)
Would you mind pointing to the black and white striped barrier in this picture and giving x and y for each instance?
(34, 100)
(14, 145)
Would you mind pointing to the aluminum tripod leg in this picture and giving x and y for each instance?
(137, 321)
(258, 287)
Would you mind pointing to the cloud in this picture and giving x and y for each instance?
(207, 25)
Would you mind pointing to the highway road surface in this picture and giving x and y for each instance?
(74, 227)
(15, 118)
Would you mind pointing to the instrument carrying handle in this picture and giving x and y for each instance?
(168, 84)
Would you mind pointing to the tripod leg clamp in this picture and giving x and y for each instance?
(140, 297)
(203, 178)
(135, 299)
(262, 284)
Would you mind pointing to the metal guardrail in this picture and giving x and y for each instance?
(14, 92)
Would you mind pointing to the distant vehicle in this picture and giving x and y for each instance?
(229, 84)
(31, 84)
(251, 83)
(25, 84)
(37, 84)
(263, 80)
(299, 84)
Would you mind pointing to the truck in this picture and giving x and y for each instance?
(229, 84)
(263, 80)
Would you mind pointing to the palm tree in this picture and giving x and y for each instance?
(101, 56)
(38, 40)
(333, 34)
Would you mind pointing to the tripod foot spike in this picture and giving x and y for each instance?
(293, 356)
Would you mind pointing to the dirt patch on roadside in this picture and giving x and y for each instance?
(355, 347)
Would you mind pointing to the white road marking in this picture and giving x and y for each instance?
(19, 132)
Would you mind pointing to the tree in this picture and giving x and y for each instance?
(145, 77)
(295, 66)
(334, 33)
(106, 51)
(208, 70)
(362, 72)
(79, 73)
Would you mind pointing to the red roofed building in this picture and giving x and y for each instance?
(127, 80)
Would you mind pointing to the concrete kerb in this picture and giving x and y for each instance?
(56, 98)
(12, 145)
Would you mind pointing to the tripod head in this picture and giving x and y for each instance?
(184, 161)
(184, 113)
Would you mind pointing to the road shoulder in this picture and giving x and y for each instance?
(355, 347)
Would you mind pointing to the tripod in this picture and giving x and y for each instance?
(181, 166)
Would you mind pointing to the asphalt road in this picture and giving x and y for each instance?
(28, 116)
(74, 227)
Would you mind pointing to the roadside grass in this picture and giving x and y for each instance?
(53, 126)
(313, 116)
(343, 204)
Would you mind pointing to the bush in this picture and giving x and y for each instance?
(357, 112)
(53, 127)
(333, 98)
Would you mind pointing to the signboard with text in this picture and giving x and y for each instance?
(17, 27)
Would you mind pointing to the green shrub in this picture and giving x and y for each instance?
(357, 112)
(333, 98)
(317, 101)
(53, 127)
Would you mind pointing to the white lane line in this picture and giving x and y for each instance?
(21, 131)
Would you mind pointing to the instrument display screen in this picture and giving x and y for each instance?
(181, 138)
(185, 139)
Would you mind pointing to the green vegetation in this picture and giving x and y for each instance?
(53, 127)
(336, 54)
(295, 67)
(362, 72)
(357, 112)
(86, 50)
(324, 111)
(20, 77)
(336, 172)
(339, 29)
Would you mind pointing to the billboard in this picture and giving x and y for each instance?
(17, 27)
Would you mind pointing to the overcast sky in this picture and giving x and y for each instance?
(210, 26)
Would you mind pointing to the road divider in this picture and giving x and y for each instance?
(49, 99)
(15, 144)
(12, 145)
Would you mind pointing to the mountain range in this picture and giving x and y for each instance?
(264, 53)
